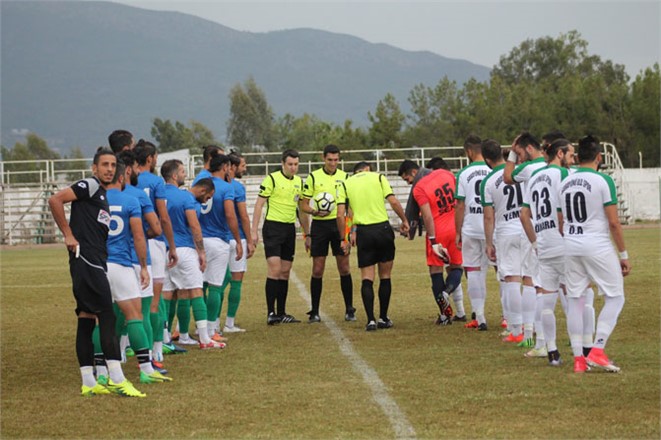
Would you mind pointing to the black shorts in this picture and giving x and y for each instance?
(322, 234)
(279, 240)
(90, 286)
(376, 244)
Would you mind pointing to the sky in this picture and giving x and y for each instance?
(625, 32)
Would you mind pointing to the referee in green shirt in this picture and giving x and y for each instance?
(375, 239)
(324, 233)
(280, 191)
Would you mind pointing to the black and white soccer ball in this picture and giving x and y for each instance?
(324, 202)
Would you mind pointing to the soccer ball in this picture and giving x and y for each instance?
(324, 202)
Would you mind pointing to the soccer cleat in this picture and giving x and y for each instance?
(471, 324)
(175, 335)
(446, 308)
(185, 339)
(443, 320)
(158, 366)
(554, 358)
(218, 338)
(212, 344)
(233, 329)
(503, 323)
(597, 358)
(384, 323)
(512, 338)
(505, 333)
(527, 343)
(125, 389)
(586, 351)
(536, 352)
(273, 319)
(482, 327)
(459, 318)
(314, 317)
(580, 365)
(350, 314)
(154, 377)
(288, 319)
(130, 352)
(98, 389)
(371, 326)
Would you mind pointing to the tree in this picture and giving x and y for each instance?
(34, 151)
(434, 113)
(251, 117)
(644, 112)
(387, 122)
(177, 136)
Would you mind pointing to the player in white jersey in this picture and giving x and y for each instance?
(501, 205)
(589, 209)
(469, 223)
(541, 222)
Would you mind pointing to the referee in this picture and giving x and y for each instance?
(85, 237)
(280, 191)
(365, 192)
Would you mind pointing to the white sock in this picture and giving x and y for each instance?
(528, 304)
(123, 342)
(458, 298)
(87, 374)
(504, 304)
(575, 324)
(115, 371)
(588, 318)
(548, 301)
(216, 325)
(146, 368)
(608, 319)
(167, 337)
(158, 351)
(211, 328)
(201, 326)
(513, 290)
(476, 293)
(540, 341)
(229, 322)
(101, 370)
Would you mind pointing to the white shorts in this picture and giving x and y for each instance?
(149, 291)
(602, 269)
(218, 256)
(159, 259)
(124, 285)
(508, 252)
(186, 274)
(529, 263)
(474, 251)
(242, 264)
(551, 273)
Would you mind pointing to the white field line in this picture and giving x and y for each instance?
(400, 424)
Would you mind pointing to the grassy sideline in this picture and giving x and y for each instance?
(291, 381)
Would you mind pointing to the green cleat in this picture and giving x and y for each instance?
(130, 352)
(526, 343)
(125, 388)
(154, 377)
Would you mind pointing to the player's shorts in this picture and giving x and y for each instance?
(279, 240)
(186, 274)
(218, 256)
(602, 269)
(242, 264)
(551, 273)
(376, 244)
(473, 251)
(159, 259)
(508, 252)
(124, 285)
(149, 291)
(448, 242)
(90, 286)
(529, 264)
(322, 234)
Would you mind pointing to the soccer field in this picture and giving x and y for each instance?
(333, 379)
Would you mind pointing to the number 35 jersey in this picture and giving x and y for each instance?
(506, 201)
(543, 199)
(583, 196)
(437, 189)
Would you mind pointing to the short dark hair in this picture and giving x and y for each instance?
(588, 149)
(289, 153)
(143, 150)
(210, 151)
(473, 143)
(207, 183)
(127, 157)
(331, 149)
(555, 146)
(491, 150)
(101, 151)
(360, 166)
(169, 167)
(118, 139)
(526, 139)
(437, 163)
(235, 159)
(119, 171)
(553, 136)
(217, 162)
(406, 167)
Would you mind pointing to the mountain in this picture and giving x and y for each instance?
(74, 71)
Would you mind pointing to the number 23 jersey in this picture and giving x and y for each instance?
(437, 189)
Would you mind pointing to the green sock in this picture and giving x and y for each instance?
(156, 320)
(213, 303)
(199, 309)
(183, 314)
(137, 334)
(146, 321)
(234, 298)
(120, 323)
(171, 306)
(96, 338)
(226, 281)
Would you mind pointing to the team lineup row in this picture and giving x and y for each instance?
(200, 239)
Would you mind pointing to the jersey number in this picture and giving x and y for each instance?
(575, 207)
(478, 183)
(445, 197)
(512, 191)
(116, 223)
(542, 202)
(206, 207)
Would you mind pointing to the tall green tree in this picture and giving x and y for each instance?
(645, 117)
(251, 121)
(34, 151)
(177, 136)
(387, 122)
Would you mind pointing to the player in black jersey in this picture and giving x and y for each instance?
(85, 237)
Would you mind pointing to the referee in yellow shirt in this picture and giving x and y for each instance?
(375, 239)
(280, 191)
